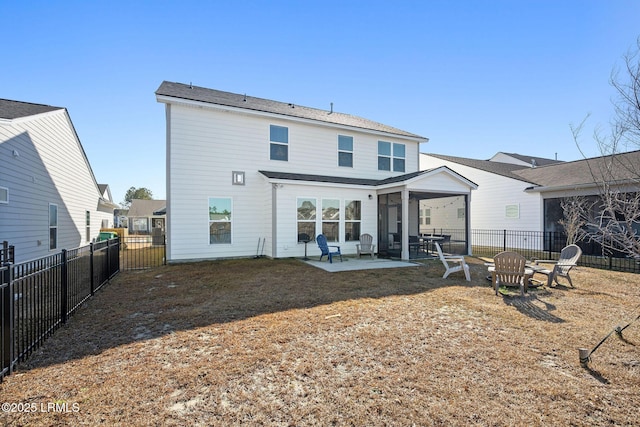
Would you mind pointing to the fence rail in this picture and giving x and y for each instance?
(38, 296)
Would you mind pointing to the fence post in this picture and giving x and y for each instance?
(91, 269)
(64, 289)
(504, 240)
(164, 247)
(7, 320)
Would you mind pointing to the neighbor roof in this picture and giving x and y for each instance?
(217, 97)
(16, 109)
(498, 168)
(618, 168)
(142, 207)
(623, 167)
(539, 161)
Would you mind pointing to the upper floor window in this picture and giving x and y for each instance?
(345, 151)
(398, 157)
(279, 148)
(391, 154)
(384, 156)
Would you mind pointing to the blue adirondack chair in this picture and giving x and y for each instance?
(326, 249)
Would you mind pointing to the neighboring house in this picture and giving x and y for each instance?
(120, 218)
(519, 193)
(145, 216)
(244, 170)
(49, 197)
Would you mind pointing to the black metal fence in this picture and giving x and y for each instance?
(144, 251)
(37, 297)
(547, 245)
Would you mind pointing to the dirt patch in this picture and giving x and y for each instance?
(277, 342)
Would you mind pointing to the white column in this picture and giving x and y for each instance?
(405, 223)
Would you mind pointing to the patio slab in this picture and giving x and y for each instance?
(351, 264)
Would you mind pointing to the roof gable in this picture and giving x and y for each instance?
(244, 102)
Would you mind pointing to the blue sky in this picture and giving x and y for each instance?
(475, 77)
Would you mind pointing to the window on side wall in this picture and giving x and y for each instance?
(345, 151)
(512, 211)
(306, 218)
(331, 219)
(220, 209)
(53, 226)
(352, 220)
(87, 224)
(279, 147)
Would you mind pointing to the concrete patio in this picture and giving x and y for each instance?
(364, 263)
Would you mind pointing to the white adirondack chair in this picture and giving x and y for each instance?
(453, 263)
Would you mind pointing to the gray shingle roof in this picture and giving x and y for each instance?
(623, 166)
(498, 168)
(145, 208)
(217, 97)
(16, 109)
(626, 166)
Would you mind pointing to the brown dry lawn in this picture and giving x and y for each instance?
(278, 342)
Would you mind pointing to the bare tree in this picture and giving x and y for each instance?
(614, 222)
(573, 221)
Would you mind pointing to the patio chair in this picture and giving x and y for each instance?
(326, 248)
(568, 259)
(453, 263)
(366, 245)
(509, 269)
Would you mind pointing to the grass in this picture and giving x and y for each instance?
(277, 342)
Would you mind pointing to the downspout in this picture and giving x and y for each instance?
(168, 238)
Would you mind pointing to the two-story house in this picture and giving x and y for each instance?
(49, 197)
(241, 170)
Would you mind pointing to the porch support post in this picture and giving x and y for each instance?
(405, 223)
(467, 222)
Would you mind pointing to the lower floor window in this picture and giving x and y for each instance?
(352, 220)
(220, 209)
(306, 218)
(331, 219)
